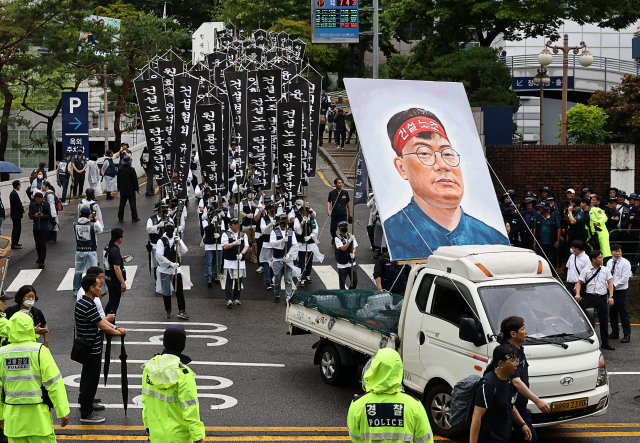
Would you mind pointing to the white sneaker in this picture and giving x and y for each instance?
(65, 204)
(260, 270)
(229, 304)
(237, 302)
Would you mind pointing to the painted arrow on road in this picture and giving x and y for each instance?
(78, 123)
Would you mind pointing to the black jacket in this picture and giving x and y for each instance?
(40, 223)
(340, 122)
(17, 210)
(127, 181)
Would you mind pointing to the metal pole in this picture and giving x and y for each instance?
(542, 71)
(375, 39)
(106, 110)
(565, 74)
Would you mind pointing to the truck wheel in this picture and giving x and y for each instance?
(437, 403)
(331, 368)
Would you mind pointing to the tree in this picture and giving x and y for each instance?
(585, 125)
(249, 15)
(448, 24)
(485, 79)
(19, 21)
(188, 14)
(622, 105)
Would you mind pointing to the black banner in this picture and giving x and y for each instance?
(283, 37)
(209, 124)
(315, 85)
(270, 84)
(236, 82)
(289, 70)
(168, 70)
(186, 91)
(361, 194)
(290, 147)
(299, 92)
(254, 56)
(152, 112)
(259, 139)
(298, 49)
(260, 38)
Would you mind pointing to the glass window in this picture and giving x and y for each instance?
(423, 293)
(449, 304)
(548, 310)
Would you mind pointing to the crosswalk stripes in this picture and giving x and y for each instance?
(24, 277)
(368, 269)
(67, 282)
(328, 275)
(186, 271)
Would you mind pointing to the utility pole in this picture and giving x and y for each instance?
(375, 39)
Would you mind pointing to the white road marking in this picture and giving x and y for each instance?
(186, 271)
(24, 277)
(328, 276)
(213, 363)
(67, 282)
(73, 381)
(131, 273)
(156, 340)
(368, 269)
(624, 373)
(218, 327)
(228, 402)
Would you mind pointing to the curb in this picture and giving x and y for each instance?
(334, 165)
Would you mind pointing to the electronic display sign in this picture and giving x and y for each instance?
(334, 21)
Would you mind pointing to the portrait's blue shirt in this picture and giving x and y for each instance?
(406, 230)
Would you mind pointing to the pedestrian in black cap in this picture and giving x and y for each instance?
(613, 217)
(547, 234)
(613, 192)
(529, 214)
(513, 223)
(623, 223)
(586, 193)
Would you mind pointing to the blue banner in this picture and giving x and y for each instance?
(520, 83)
(75, 122)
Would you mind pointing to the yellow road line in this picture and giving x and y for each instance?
(591, 434)
(214, 428)
(326, 182)
(596, 425)
(5, 250)
(95, 437)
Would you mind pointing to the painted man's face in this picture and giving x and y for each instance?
(440, 184)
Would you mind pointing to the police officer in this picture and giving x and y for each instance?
(31, 383)
(346, 245)
(625, 212)
(85, 230)
(213, 229)
(529, 214)
(613, 217)
(385, 413)
(169, 249)
(235, 246)
(514, 221)
(285, 247)
(155, 229)
(596, 227)
(390, 276)
(170, 407)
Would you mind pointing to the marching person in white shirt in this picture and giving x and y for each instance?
(235, 246)
(306, 234)
(212, 238)
(285, 247)
(621, 271)
(155, 229)
(267, 222)
(346, 245)
(578, 261)
(599, 283)
(170, 271)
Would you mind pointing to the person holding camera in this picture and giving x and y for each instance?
(576, 220)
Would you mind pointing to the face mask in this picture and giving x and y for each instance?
(299, 202)
(344, 230)
(283, 224)
(29, 303)
(169, 231)
(40, 176)
(573, 251)
(615, 259)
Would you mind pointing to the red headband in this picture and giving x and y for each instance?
(413, 127)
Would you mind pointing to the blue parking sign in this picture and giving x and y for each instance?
(75, 122)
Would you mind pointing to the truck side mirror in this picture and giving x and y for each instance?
(591, 315)
(469, 332)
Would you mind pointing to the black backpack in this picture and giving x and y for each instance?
(463, 401)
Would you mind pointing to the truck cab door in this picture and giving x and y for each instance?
(443, 353)
(415, 374)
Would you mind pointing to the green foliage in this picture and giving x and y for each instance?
(189, 14)
(622, 105)
(585, 125)
(250, 15)
(119, 10)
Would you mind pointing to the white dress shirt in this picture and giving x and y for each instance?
(575, 265)
(598, 284)
(621, 273)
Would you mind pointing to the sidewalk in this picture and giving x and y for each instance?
(344, 160)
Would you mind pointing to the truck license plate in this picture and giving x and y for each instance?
(560, 406)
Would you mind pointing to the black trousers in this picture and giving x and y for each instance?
(527, 244)
(600, 305)
(231, 289)
(340, 137)
(41, 238)
(305, 263)
(321, 134)
(89, 379)
(620, 307)
(115, 293)
(179, 290)
(132, 204)
(343, 273)
(78, 184)
(335, 219)
(16, 230)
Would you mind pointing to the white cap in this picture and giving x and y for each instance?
(571, 190)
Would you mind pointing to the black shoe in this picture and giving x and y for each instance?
(614, 336)
(608, 346)
(121, 220)
(625, 339)
(98, 407)
(19, 244)
(209, 282)
(347, 143)
(135, 220)
(16, 247)
(41, 265)
(277, 299)
(269, 286)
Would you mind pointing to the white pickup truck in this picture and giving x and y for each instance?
(450, 318)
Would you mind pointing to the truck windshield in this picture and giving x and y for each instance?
(547, 309)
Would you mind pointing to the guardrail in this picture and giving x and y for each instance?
(600, 63)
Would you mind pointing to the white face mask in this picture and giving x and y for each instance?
(573, 251)
(299, 202)
(28, 303)
(40, 176)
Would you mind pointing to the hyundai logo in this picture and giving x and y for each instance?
(566, 381)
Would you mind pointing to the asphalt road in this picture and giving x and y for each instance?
(255, 382)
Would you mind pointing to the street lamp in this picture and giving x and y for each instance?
(542, 79)
(94, 82)
(585, 60)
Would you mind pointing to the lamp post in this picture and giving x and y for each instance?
(542, 79)
(94, 82)
(585, 60)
